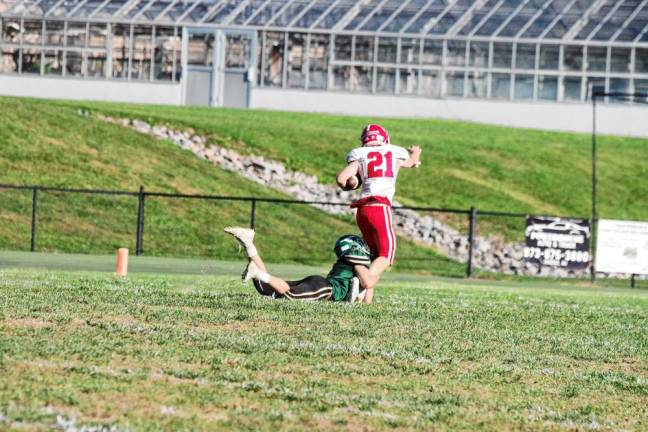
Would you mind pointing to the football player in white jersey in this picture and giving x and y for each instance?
(375, 165)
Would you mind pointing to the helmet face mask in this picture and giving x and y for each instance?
(352, 249)
(374, 134)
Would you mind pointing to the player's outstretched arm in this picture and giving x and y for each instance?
(414, 159)
(349, 171)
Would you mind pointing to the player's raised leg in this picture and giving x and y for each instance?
(256, 268)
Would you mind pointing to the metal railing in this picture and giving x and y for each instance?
(141, 194)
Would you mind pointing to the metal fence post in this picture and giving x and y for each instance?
(34, 219)
(140, 222)
(252, 212)
(471, 240)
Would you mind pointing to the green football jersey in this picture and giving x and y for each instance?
(340, 278)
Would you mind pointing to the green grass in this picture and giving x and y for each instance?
(179, 352)
(464, 164)
(48, 143)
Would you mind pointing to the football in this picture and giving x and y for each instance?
(353, 183)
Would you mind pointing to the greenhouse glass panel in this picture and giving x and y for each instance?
(595, 84)
(502, 55)
(386, 80)
(53, 62)
(620, 60)
(432, 52)
(595, 19)
(237, 52)
(430, 83)
(501, 86)
(353, 78)
(548, 88)
(9, 60)
(410, 50)
(314, 13)
(387, 50)
(11, 31)
(596, 59)
(343, 47)
(616, 21)
(545, 19)
(549, 57)
(364, 48)
(74, 63)
(479, 54)
(455, 83)
(405, 16)
(525, 56)
(368, 7)
(573, 58)
(619, 85)
(408, 81)
(54, 34)
(641, 86)
(572, 88)
(32, 32)
(635, 27)
(76, 34)
(523, 87)
(334, 16)
(120, 50)
(165, 45)
(142, 55)
(641, 60)
(200, 49)
(477, 84)
(288, 14)
(274, 54)
(319, 53)
(98, 36)
(381, 15)
(498, 18)
(456, 53)
(297, 60)
(31, 61)
(108, 11)
(96, 64)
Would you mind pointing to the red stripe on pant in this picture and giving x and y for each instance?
(375, 225)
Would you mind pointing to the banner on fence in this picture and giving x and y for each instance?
(622, 247)
(557, 242)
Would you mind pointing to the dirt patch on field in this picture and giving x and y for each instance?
(33, 323)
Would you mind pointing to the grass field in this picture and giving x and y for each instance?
(203, 352)
(464, 164)
(48, 143)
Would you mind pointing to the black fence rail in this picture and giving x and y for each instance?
(141, 195)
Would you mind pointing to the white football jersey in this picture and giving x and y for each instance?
(378, 168)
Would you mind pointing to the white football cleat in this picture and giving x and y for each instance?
(251, 272)
(245, 236)
(355, 290)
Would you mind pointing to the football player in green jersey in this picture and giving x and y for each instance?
(341, 284)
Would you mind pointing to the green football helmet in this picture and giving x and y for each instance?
(352, 249)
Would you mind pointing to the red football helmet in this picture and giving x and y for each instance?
(374, 134)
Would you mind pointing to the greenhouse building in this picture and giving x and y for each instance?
(422, 58)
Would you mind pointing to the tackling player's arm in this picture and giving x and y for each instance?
(349, 171)
(368, 281)
(414, 159)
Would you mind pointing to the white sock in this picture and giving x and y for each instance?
(264, 277)
(251, 250)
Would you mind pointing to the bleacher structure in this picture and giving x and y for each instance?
(218, 51)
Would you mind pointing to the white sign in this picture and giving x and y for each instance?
(622, 247)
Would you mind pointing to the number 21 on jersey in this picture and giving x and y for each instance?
(381, 164)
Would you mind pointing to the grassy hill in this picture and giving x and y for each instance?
(48, 143)
(464, 164)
